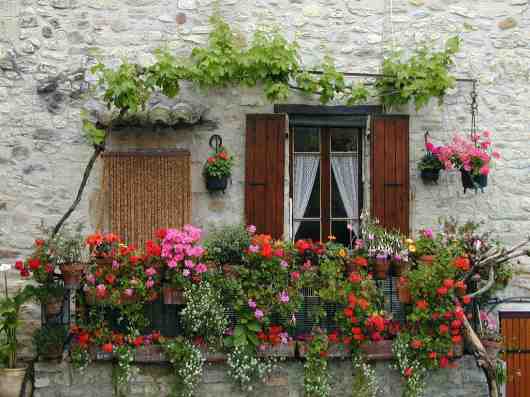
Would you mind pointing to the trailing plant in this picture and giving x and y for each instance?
(187, 362)
(410, 368)
(316, 378)
(122, 371)
(68, 246)
(364, 378)
(245, 368)
(424, 75)
(204, 314)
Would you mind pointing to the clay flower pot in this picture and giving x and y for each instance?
(427, 259)
(53, 307)
(404, 294)
(11, 380)
(173, 296)
(72, 274)
(381, 268)
(103, 262)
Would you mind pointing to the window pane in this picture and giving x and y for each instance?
(304, 169)
(309, 230)
(344, 139)
(339, 229)
(307, 139)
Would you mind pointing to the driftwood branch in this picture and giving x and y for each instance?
(88, 169)
(488, 285)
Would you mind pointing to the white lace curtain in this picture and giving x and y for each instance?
(305, 172)
(346, 170)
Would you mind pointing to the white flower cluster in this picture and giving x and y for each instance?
(204, 312)
(246, 368)
(316, 381)
(189, 371)
(365, 384)
(410, 368)
(122, 374)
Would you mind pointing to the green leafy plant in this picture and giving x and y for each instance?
(68, 246)
(187, 362)
(49, 339)
(410, 368)
(423, 76)
(316, 378)
(122, 371)
(364, 378)
(219, 164)
(225, 245)
(430, 162)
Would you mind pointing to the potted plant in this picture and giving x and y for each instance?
(11, 373)
(183, 257)
(472, 156)
(51, 297)
(426, 246)
(381, 266)
(103, 247)
(218, 169)
(404, 291)
(430, 165)
(39, 264)
(49, 341)
(68, 250)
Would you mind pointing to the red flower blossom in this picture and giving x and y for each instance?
(94, 239)
(346, 340)
(462, 263)
(19, 265)
(435, 316)
(161, 234)
(432, 355)
(356, 331)
(333, 337)
(111, 238)
(352, 299)
(355, 277)
(24, 273)
(449, 283)
(49, 268)
(408, 372)
(111, 279)
(444, 362)
(39, 242)
(377, 322)
(376, 336)
(456, 339)
(460, 284)
(211, 160)
(448, 315)
(444, 329)
(422, 304)
(138, 341)
(466, 299)
(416, 344)
(152, 248)
(442, 291)
(84, 339)
(223, 155)
(266, 251)
(359, 337)
(360, 261)
(363, 303)
(134, 259)
(34, 263)
(456, 324)
(348, 312)
(107, 347)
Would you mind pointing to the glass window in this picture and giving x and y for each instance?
(307, 139)
(308, 230)
(344, 139)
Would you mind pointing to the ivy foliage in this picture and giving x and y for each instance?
(423, 76)
(274, 62)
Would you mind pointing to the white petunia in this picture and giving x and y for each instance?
(4, 267)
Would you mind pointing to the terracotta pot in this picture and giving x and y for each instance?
(11, 380)
(72, 274)
(493, 348)
(173, 296)
(458, 350)
(381, 268)
(280, 350)
(427, 259)
(103, 262)
(52, 353)
(53, 307)
(381, 350)
(404, 294)
(150, 354)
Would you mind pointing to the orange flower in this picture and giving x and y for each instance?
(422, 304)
(360, 261)
(363, 303)
(107, 347)
(352, 299)
(462, 263)
(355, 278)
(94, 239)
(223, 155)
(266, 251)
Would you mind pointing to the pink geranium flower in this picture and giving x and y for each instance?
(151, 271)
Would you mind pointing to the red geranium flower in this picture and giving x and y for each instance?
(348, 312)
(352, 299)
(355, 277)
(223, 155)
(266, 251)
(363, 303)
(111, 279)
(456, 339)
(422, 304)
(346, 340)
(466, 299)
(360, 261)
(442, 291)
(444, 362)
(449, 283)
(376, 336)
(462, 263)
(432, 355)
(19, 265)
(408, 372)
(456, 324)
(84, 339)
(443, 329)
(416, 344)
(34, 263)
(39, 243)
(107, 347)
(356, 331)
(138, 341)
(161, 234)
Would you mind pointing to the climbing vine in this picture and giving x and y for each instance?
(275, 63)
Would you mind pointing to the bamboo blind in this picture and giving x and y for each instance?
(145, 190)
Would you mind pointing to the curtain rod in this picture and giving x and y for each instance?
(353, 74)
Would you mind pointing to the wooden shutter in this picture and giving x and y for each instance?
(390, 171)
(515, 328)
(265, 172)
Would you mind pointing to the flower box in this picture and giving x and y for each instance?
(381, 350)
(173, 296)
(98, 354)
(279, 350)
(335, 350)
(150, 354)
(212, 356)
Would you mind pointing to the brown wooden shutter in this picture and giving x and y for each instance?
(265, 172)
(390, 171)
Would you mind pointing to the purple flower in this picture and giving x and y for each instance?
(251, 304)
(115, 265)
(397, 258)
(284, 264)
(259, 314)
(129, 292)
(284, 297)
(359, 243)
(186, 272)
(284, 338)
(90, 278)
(189, 264)
(201, 268)
(253, 248)
(349, 226)
(428, 233)
(251, 229)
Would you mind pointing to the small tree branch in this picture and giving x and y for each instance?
(97, 151)
(488, 285)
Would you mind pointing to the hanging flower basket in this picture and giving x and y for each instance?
(473, 181)
(72, 274)
(430, 176)
(173, 296)
(215, 184)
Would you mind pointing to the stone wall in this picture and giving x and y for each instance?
(42, 152)
(287, 381)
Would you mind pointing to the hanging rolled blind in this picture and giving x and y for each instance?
(146, 190)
